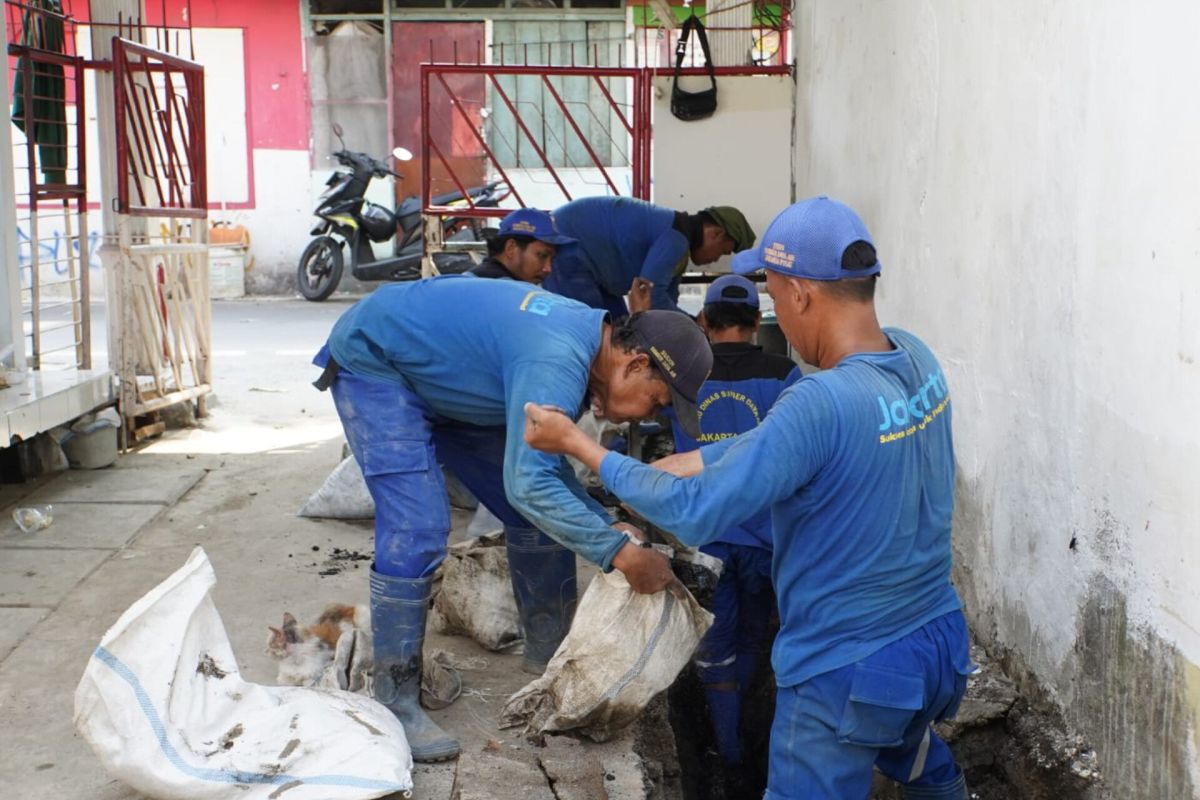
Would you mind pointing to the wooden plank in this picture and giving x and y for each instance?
(144, 432)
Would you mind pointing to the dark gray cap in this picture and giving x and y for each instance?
(681, 351)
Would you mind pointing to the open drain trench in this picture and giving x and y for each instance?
(1009, 749)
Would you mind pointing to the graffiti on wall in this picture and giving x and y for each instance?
(53, 249)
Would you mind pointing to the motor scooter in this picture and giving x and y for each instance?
(348, 220)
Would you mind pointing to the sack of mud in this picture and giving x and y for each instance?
(475, 596)
(623, 649)
(167, 712)
(344, 495)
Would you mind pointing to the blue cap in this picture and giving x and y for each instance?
(819, 238)
(732, 289)
(534, 223)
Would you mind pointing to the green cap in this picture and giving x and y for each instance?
(734, 223)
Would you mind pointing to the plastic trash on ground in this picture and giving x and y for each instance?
(31, 519)
(166, 711)
(623, 649)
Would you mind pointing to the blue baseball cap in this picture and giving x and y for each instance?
(534, 223)
(819, 239)
(732, 289)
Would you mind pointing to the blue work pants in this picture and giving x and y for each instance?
(832, 729)
(742, 608)
(400, 444)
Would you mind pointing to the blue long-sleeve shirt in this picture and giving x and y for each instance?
(476, 351)
(856, 464)
(743, 385)
(619, 239)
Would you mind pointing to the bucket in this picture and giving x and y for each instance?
(91, 446)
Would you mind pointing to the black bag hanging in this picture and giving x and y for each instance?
(687, 105)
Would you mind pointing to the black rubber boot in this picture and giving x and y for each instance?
(954, 790)
(543, 580)
(398, 607)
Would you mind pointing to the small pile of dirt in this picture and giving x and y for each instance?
(342, 559)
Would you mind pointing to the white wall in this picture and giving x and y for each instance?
(282, 217)
(1030, 173)
(740, 156)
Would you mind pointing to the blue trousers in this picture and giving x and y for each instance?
(742, 606)
(733, 647)
(400, 444)
(830, 730)
(571, 277)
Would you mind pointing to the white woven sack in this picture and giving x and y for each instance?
(166, 711)
(343, 495)
(623, 649)
(475, 595)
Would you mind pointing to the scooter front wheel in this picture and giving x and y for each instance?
(320, 268)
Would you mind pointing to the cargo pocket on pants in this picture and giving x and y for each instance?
(881, 706)
(407, 485)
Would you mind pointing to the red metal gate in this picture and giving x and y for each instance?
(163, 328)
(606, 128)
(160, 133)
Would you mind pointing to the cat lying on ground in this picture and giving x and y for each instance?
(334, 653)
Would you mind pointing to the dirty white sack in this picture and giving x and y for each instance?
(623, 649)
(344, 495)
(166, 711)
(475, 597)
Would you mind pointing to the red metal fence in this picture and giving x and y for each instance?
(584, 118)
(571, 117)
(160, 133)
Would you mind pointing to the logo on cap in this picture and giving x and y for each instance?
(665, 361)
(524, 226)
(778, 255)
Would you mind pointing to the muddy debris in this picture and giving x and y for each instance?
(230, 735)
(340, 559)
(207, 667)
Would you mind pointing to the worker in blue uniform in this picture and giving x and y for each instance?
(523, 247)
(740, 390)
(438, 371)
(856, 464)
(522, 250)
(622, 240)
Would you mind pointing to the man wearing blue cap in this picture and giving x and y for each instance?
(625, 245)
(437, 372)
(522, 248)
(740, 390)
(856, 464)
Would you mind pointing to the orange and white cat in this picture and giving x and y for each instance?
(305, 653)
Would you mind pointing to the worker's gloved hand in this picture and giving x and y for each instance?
(639, 295)
(647, 570)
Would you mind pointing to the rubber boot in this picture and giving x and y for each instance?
(725, 712)
(954, 790)
(398, 607)
(543, 580)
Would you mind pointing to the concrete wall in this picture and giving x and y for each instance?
(740, 156)
(1029, 171)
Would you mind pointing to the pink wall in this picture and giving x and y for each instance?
(276, 86)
